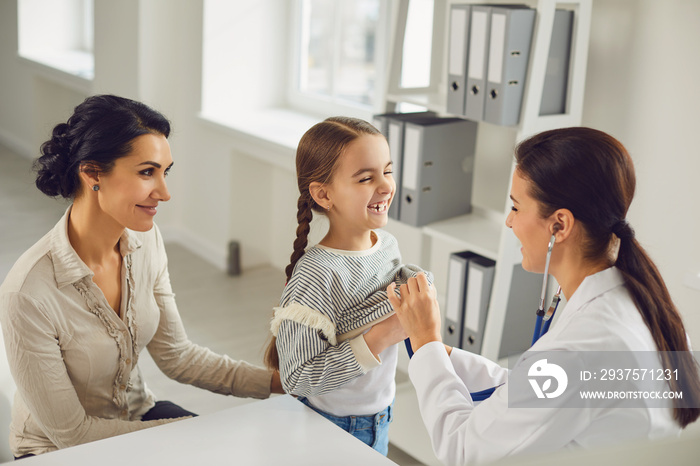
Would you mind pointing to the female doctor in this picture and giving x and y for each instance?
(571, 191)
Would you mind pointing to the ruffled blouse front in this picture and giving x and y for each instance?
(74, 359)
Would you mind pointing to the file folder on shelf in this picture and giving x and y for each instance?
(556, 80)
(456, 291)
(510, 37)
(523, 299)
(392, 127)
(480, 276)
(477, 60)
(457, 58)
(438, 169)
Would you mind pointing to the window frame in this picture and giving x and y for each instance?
(75, 60)
(331, 105)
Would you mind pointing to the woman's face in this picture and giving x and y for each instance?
(528, 226)
(130, 193)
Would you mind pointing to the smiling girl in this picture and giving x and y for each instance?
(79, 306)
(335, 331)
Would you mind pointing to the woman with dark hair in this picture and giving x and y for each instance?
(571, 191)
(79, 306)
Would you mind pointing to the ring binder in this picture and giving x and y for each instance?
(509, 54)
(479, 27)
(457, 58)
(435, 183)
(392, 126)
(456, 291)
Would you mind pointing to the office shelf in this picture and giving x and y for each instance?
(477, 231)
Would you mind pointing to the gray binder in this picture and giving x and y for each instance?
(477, 61)
(438, 168)
(457, 58)
(456, 291)
(523, 299)
(476, 302)
(392, 126)
(510, 37)
(556, 79)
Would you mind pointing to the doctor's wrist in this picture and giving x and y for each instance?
(418, 341)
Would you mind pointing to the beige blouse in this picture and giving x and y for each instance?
(73, 358)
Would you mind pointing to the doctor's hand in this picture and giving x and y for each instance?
(417, 309)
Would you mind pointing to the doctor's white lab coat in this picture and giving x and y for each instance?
(600, 316)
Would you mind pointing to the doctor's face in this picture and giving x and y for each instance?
(528, 225)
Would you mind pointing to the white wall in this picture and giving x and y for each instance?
(640, 87)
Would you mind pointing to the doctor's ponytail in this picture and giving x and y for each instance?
(596, 183)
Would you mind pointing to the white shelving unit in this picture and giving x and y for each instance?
(484, 230)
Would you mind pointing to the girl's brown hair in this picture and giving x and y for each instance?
(317, 158)
(591, 174)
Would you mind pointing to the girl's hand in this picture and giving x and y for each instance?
(384, 334)
(418, 310)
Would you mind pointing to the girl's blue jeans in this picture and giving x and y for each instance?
(372, 430)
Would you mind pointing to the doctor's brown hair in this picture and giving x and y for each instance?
(595, 180)
(317, 158)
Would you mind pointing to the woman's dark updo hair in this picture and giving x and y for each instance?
(99, 132)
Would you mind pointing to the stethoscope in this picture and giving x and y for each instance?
(542, 322)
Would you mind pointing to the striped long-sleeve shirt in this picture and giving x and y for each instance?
(332, 298)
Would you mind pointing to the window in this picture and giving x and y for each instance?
(253, 80)
(58, 34)
(417, 45)
(339, 55)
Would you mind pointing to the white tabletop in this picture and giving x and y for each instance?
(279, 430)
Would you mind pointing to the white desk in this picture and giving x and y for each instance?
(279, 430)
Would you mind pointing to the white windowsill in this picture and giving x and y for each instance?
(270, 134)
(72, 68)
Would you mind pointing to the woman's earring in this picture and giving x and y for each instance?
(96, 187)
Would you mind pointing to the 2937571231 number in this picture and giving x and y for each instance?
(638, 374)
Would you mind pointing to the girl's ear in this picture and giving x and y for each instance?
(319, 193)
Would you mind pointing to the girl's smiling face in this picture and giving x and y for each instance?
(362, 187)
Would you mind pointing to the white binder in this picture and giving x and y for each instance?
(479, 24)
(438, 169)
(392, 126)
(509, 53)
(456, 291)
(457, 58)
(480, 276)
